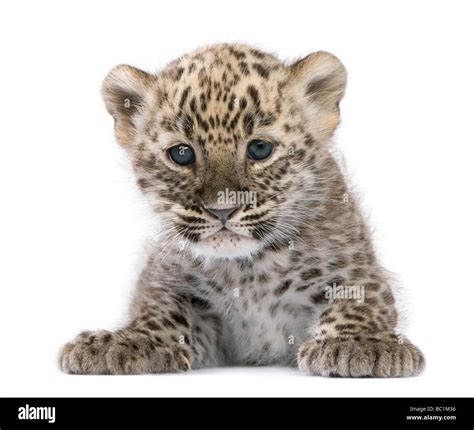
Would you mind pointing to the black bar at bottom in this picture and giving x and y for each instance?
(217, 412)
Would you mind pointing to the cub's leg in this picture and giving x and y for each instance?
(168, 333)
(207, 337)
(354, 339)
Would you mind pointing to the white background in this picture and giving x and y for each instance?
(73, 223)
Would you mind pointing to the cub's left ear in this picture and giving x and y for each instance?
(320, 80)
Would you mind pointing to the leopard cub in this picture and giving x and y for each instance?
(265, 257)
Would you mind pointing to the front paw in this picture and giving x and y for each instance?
(139, 354)
(86, 353)
(104, 352)
(380, 356)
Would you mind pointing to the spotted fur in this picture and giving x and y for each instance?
(256, 293)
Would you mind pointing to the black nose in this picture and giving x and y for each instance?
(221, 214)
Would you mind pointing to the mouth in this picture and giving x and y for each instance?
(225, 243)
(225, 234)
(223, 237)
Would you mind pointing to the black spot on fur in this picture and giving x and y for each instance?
(282, 288)
(179, 319)
(261, 69)
(309, 274)
(254, 95)
(248, 123)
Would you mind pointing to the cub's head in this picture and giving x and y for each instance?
(230, 143)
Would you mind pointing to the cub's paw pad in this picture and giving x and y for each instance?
(361, 356)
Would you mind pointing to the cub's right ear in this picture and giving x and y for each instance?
(124, 90)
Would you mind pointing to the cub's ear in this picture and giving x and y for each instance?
(320, 80)
(124, 90)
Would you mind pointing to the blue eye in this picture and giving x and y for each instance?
(182, 154)
(259, 149)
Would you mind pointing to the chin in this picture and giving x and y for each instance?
(226, 245)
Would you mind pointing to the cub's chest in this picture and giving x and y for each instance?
(264, 313)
